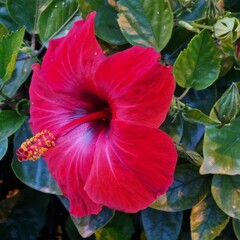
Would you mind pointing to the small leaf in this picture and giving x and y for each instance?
(198, 66)
(146, 23)
(54, 17)
(34, 174)
(236, 227)
(106, 25)
(196, 116)
(26, 12)
(3, 30)
(3, 147)
(207, 220)
(226, 192)
(88, 225)
(161, 225)
(10, 122)
(9, 48)
(23, 215)
(183, 194)
(221, 146)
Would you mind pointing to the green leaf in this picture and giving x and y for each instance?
(183, 193)
(3, 147)
(88, 225)
(198, 66)
(119, 228)
(161, 225)
(207, 220)
(226, 192)
(236, 227)
(145, 22)
(106, 25)
(221, 146)
(9, 48)
(196, 116)
(10, 122)
(23, 215)
(3, 30)
(19, 76)
(56, 15)
(26, 12)
(34, 174)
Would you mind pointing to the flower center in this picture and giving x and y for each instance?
(35, 147)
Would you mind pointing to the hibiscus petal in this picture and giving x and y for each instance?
(137, 86)
(70, 161)
(71, 61)
(132, 165)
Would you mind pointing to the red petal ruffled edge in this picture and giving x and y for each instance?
(138, 88)
(132, 166)
(71, 61)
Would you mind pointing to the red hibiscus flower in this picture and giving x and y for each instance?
(96, 120)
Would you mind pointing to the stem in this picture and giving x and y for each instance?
(4, 96)
(183, 94)
(202, 26)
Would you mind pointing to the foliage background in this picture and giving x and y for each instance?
(200, 38)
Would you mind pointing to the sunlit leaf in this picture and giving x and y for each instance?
(10, 122)
(161, 225)
(23, 215)
(183, 193)
(3, 30)
(9, 47)
(207, 220)
(34, 174)
(54, 17)
(193, 69)
(226, 192)
(146, 23)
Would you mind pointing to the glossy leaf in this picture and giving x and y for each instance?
(146, 23)
(119, 228)
(54, 17)
(106, 25)
(161, 225)
(221, 146)
(236, 227)
(226, 192)
(10, 122)
(34, 174)
(196, 116)
(3, 147)
(207, 220)
(19, 76)
(88, 225)
(183, 193)
(23, 215)
(193, 69)
(9, 47)
(26, 12)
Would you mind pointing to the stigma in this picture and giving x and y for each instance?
(36, 146)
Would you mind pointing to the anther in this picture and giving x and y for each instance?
(36, 146)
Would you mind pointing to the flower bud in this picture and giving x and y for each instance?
(227, 29)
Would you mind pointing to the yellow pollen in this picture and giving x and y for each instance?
(36, 146)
